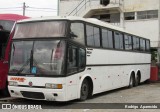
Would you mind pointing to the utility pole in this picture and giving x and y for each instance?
(122, 22)
(24, 8)
(58, 7)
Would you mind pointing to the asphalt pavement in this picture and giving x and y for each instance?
(112, 101)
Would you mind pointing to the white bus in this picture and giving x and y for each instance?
(66, 58)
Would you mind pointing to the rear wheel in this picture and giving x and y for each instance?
(137, 80)
(131, 82)
(84, 90)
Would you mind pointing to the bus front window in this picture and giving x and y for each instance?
(20, 56)
(48, 56)
(45, 57)
(41, 29)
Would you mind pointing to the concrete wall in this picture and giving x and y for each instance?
(66, 6)
(140, 5)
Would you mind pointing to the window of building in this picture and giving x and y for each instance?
(147, 14)
(128, 42)
(93, 36)
(135, 43)
(147, 45)
(118, 40)
(107, 38)
(129, 15)
(142, 45)
(77, 32)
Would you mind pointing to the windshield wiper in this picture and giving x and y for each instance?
(22, 68)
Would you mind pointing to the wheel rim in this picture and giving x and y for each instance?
(84, 90)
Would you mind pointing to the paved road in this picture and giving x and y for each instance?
(145, 93)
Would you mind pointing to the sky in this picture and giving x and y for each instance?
(34, 8)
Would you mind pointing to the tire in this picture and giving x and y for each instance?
(84, 90)
(5, 92)
(137, 80)
(131, 82)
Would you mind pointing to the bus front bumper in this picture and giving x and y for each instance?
(37, 93)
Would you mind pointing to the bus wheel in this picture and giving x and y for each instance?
(131, 82)
(137, 80)
(5, 92)
(84, 90)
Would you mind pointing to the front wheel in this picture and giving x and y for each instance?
(84, 90)
(5, 92)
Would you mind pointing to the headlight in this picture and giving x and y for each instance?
(53, 86)
(12, 83)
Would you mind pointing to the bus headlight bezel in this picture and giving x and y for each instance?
(12, 83)
(53, 86)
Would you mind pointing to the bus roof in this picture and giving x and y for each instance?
(12, 17)
(75, 18)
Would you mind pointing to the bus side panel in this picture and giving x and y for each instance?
(107, 78)
(114, 57)
(72, 87)
(3, 75)
(145, 73)
(111, 69)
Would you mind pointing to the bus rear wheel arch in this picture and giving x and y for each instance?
(86, 89)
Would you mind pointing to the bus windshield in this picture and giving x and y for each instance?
(41, 29)
(37, 57)
(6, 25)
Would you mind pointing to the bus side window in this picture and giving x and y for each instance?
(82, 57)
(76, 59)
(135, 43)
(147, 45)
(77, 31)
(72, 60)
(93, 36)
(128, 42)
(142, 44)
(118, 40)
(107, 39)
(4, 36)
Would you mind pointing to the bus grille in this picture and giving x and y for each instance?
(35, 95)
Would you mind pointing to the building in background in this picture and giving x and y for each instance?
(137, 16)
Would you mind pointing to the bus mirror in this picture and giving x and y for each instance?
(70, 55)
(73, 35)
